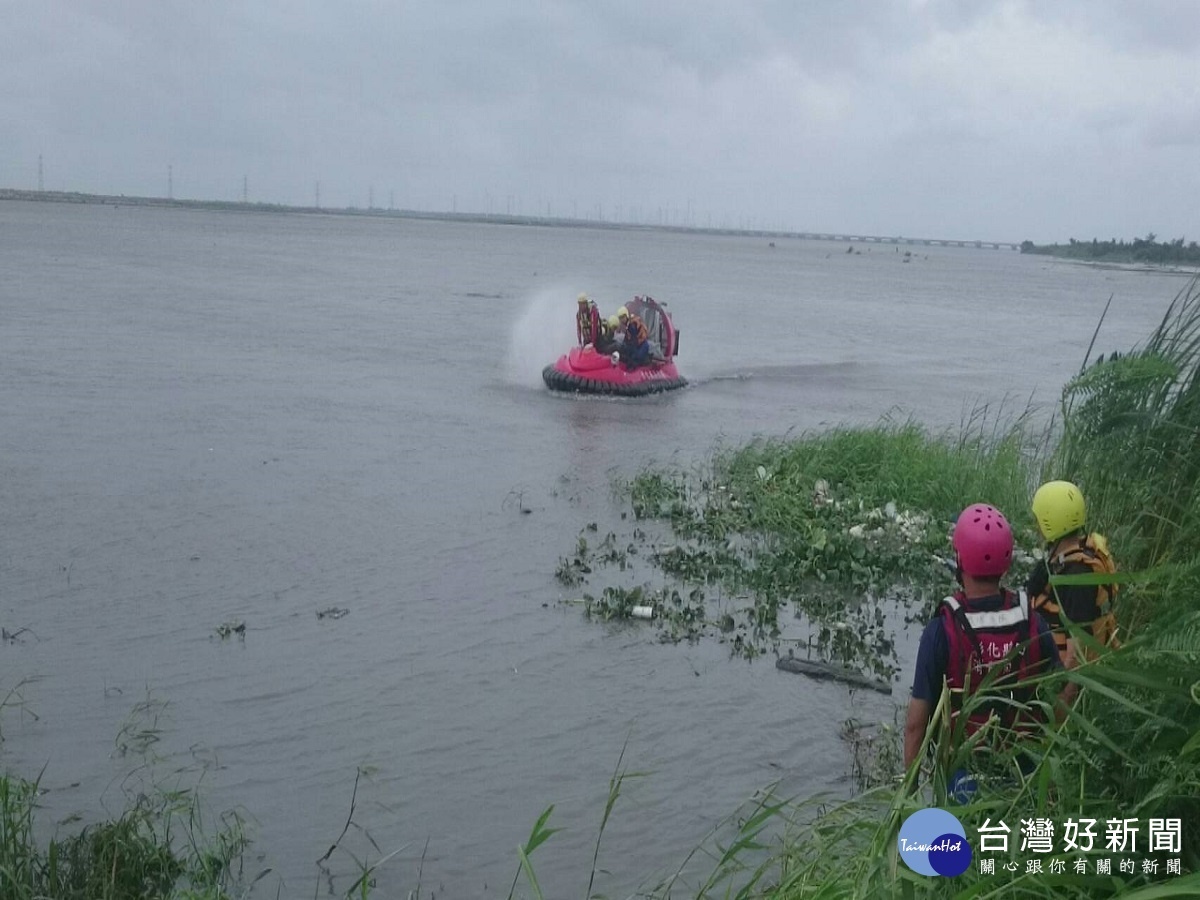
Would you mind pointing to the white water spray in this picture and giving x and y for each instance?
(542, 332)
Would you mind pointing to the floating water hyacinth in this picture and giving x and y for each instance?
(1022, 557)
(818, 530)
(911, 526)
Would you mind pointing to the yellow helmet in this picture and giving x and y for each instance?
(614, 323)
(583, 298)
(1058, 508)
(622, 313)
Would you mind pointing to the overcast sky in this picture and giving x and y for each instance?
(981, 120)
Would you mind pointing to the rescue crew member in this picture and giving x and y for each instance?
(608, 341)
(1059, 509)
(635, 349)
(587, 321)
(981, 626)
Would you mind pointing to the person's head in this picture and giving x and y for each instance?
(614, 323)
(583, 300)
(1059, 510)
(622, 315)
(983, 543)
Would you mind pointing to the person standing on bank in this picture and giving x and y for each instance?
(978, 628)
(1059, 509)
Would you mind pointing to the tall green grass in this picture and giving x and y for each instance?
(898, 462)
(154, 849)
(901, 463)
(1131, 432)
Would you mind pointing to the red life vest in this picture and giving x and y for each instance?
(979, 640)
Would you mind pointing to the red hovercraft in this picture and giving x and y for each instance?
(584, 371)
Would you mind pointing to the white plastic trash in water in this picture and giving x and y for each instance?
(642, 612)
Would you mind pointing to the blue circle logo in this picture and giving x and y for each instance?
(933, 842)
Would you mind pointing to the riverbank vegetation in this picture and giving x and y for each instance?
(161, 845)
(824, 545)
(165, 844)
(1146, 251)
(149, 851)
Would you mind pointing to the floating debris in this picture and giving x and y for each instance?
(334, 612)
(228, 629)
(820, 493)
(831, 671)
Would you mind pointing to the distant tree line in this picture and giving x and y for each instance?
(1142, 250)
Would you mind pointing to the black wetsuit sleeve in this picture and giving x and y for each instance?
(1077, 601)
(1038, 579)
(1047, 649)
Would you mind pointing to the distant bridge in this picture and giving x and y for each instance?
(877, 239)
(844, 237)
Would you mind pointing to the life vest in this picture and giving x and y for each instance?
(979, 640)
(1091, 551)
(635, 331)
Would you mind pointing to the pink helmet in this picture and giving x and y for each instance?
(983, 541)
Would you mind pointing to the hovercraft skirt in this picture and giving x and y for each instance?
(565, 381)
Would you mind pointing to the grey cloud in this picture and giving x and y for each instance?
(896, 115)
(1180, 129)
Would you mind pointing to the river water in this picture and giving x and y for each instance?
(217, 417)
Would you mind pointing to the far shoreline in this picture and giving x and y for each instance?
(1155, 268)
(1059, 252)
(1139, 255)
(489, 218)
